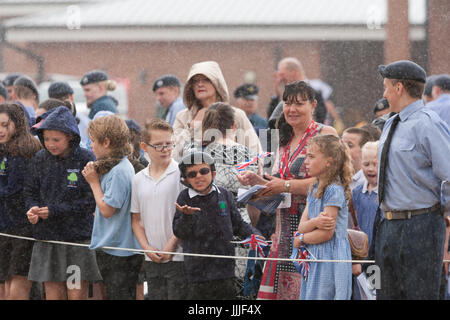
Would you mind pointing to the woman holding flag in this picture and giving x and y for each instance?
(281, 280)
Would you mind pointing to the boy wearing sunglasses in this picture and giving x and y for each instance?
(154, 192)
(206, 220)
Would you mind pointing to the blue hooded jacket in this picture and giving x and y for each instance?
(57, 183)
(105, 103)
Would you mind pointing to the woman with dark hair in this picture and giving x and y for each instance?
(281, 281)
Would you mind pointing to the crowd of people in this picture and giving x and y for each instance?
(109, 188)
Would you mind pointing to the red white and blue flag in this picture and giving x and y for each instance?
(241, 166)
(255, 243)
(302, 253)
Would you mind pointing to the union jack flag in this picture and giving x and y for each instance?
(255, 243)
(241, 166)
(302, 267)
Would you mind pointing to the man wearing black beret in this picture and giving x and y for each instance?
(26, 94)
(247, 99)
(381, 107)
(61, 90)
(167, 91)
(96, 85)
(8, 82)
(413, 189)
(441, 97)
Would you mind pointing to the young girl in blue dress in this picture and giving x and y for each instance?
(323, 226)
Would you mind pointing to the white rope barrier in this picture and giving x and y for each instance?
(141, 251)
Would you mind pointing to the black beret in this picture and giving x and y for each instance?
(59, 89)
(403, 70)
(3, 91)
(27, 82)
(381, 104)
(247, 91)
(133, 125)
(10, 78)
(442, 81)
(93, 77)
(166, 81)
(429, 85)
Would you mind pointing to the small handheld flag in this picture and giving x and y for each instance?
(302, 267)
(241, 166)
(255, 243)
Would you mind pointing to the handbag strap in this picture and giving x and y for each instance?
(352, 211)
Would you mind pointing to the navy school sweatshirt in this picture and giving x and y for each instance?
(57, 183)
(12, 208)
(210, 231)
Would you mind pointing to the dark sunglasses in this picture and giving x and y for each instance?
(193, 174)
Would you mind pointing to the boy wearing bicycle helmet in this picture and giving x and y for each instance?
(206, 220)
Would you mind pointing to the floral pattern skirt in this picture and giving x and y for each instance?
(281, 280)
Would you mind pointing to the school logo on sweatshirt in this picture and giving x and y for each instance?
(3, 167)
(72, 178)
(222, 208)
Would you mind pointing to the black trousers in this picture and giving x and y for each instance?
(224, 289)
(120, 274)
(409, 254)
(166, 281)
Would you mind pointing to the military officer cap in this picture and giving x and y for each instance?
(166, 81)
(380, 105)
(93, 77)
(403, 70)
(247, 91)
(27, 82)
(429, 85)
(59, 89)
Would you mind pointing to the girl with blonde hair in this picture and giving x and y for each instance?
(110, 179)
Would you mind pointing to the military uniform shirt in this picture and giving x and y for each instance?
(418, 167)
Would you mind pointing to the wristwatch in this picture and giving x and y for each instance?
(300, 237)
(287, 185)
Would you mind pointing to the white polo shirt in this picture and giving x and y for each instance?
(155, 201)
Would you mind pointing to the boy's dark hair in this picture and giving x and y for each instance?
(53, 103)
(364, 135)
(191, 159)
